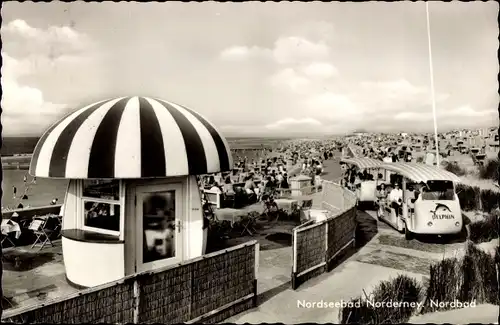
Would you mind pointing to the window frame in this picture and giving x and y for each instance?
(120, 202)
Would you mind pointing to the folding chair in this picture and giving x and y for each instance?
(270, 207)
(248, 222)
(41, 231)
(5, 236)
(208, 210)
(58, 226)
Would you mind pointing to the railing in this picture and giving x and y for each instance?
(317, 245)
(28, 213)
(193, 291)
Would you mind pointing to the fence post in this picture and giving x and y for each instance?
(342, 204)
(255, 292)
(137, 294)
(326, 245)
(294, 258)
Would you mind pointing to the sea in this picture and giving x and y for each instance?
(39, 194)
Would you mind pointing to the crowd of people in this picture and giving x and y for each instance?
(270, 172)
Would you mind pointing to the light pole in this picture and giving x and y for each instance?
(436, 139)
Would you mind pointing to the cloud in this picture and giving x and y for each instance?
(315, 30)
(393, 87)
(394, 96)
(51, 42)
(461, 112)
(286, 50)
(289, 79)
(30, 52)
(322, 70)
(21, 104)
(239, 53)
(295, 123)
(296, 50)
(332, 106)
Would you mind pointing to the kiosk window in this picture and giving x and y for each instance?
(102, 189)
(101, 206)
(102, 215)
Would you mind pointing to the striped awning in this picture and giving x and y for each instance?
(362, 163)
(421, 172)
(131, 137)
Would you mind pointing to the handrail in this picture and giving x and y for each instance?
(54, 206)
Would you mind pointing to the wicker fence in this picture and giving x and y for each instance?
(317, 245)
(210, 289)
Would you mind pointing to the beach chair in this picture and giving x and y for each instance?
(307, 204)
(213, 198)
(41, 229)
(228, 200)
(305, 209)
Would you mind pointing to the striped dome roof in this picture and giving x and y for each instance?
(131, 137)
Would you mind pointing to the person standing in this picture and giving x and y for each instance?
(14, 191)
(25, 179)
(396, 199)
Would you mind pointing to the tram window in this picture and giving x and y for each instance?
(438, 190)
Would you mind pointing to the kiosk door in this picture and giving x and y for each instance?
(159, 210)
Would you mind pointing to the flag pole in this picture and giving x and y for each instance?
(436, 139)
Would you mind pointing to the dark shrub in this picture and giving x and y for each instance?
(480, 283)
(489, 200)
(467, 196)
(454, 167)
(484, 230)
(401, 289)
(363, 314)
(470, 278)
(444, 283)
(489, 170)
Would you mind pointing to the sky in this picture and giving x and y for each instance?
(256, 68)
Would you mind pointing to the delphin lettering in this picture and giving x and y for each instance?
(443, 216)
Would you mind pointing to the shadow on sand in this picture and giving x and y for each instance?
(25, 261)
(367, 228)
(266, 295)
(281, 238)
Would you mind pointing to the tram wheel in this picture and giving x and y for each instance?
(408, 233)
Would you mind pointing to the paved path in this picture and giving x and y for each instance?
(384, 255)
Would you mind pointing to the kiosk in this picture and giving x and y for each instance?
(300, 185)
(133, 202)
